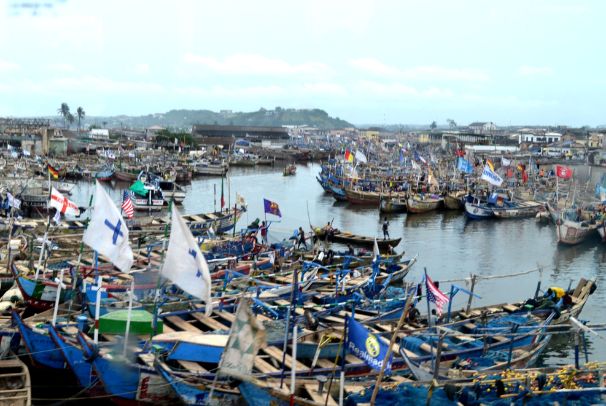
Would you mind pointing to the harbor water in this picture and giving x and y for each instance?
(448, 245)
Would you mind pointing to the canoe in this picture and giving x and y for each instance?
(417, 205)
(574, 232)
(115, 322)
(362, 198)
(392, 205)
(517, 210)
(454, 200)
(358, 240)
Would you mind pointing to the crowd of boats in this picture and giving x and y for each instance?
(324, 317)
(493, 188)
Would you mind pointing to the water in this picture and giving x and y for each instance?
(448, 245)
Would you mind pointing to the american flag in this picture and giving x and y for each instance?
(127, 205)
(435, 295)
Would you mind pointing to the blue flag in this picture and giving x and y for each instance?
(464, 165)
(271, 207)
(366, 346)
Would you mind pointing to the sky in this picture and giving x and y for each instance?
(512, 62)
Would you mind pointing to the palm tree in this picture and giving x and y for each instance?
(433, 125)
(70, 118)
(63, 111)
(80, 113)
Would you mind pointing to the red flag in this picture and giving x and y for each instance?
(524, 177)
(222, 196)
(563, 172)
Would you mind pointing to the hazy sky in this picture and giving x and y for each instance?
(511, 62)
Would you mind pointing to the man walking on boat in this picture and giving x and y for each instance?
(385, 229)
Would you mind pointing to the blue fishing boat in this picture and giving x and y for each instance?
(39, 345)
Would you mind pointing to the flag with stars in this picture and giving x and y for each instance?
(435, 295)
(184, 264)
(107, 232)
(246, 337)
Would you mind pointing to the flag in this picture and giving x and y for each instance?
(127, 205)
(222, 196)
(348, 156)
(435, 295)
(524, 177)
(361, 157)
(402, 156)
(563, 172)
(246, 337)
(271, 207)
(460, 153)
(107, 233)
(376, 254)
(240, 200)
(505, 161)
(62, 203)
(491, 177)
(184, 264)
(368, 347)
(13, 201)
(464, 165)
(57, 217)
(490, 164)
(521, 167)
(53, 172)
(419, 157)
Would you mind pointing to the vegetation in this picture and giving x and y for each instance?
(433, 125)
(81, 114)
(64, 111)
(165, 137)
(184, 119)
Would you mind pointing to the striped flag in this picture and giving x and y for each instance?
(127, 205)
(435, 295)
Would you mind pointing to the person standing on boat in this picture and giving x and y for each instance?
(301, 240)
(263, 229)
(385, 229)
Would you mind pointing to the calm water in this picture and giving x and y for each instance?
(447, 244)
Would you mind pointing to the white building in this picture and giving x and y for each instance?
(482, 127)
(99, 133)
(547, 138)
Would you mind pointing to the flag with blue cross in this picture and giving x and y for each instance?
(107, 232)
(184, 264)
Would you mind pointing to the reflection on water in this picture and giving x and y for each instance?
(449, 245)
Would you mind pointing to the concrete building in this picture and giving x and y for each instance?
(227, 134)
(99, 134)
(482, 127)
(538, 138)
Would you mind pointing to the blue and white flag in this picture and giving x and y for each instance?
(419, 157)
(107, 232)
(464, 165)
(366, 346)
(491, 177)
(184, 264)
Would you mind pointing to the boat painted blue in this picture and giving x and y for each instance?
(40, 347)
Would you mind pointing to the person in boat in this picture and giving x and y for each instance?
(434, 317)
(413, 315)
(301, 239)
(385, 229)
(329, 231)
(263, 229)
(390, 250)
(350, 249)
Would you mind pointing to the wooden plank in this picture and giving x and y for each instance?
(192, 366)
(324, 363)
(276, 354)
(182, 324)
(209, 322)
(264, 366)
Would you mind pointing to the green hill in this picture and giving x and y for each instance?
(184, 119)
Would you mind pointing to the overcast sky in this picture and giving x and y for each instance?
(511, 62)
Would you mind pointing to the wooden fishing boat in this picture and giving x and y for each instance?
(516, 209)
(210, 169)
(454, 200)
(290, 170)
(345, 237)
(125, 176)
(392, 205)
(570, 232)
(15, 383)
(423, 204)
(362, 197)
(478, 210)
(105, 174)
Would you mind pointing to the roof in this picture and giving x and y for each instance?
(478, 123)
(99, 131)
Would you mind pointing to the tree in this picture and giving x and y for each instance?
(451, 123)
(81, 114)
(433, 125)
(64, 111)
(70, 118)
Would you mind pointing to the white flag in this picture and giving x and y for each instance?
(375, 251)
(505, 161)
(491, 177)
(13, 201)
(246, 336)
(240, 200)
(62, 203)
(184, 264)
(107, 232)
(360, 157)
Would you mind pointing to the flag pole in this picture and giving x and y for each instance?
(47, 225)
(427, 300)
(128, 315)
(375, 391)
